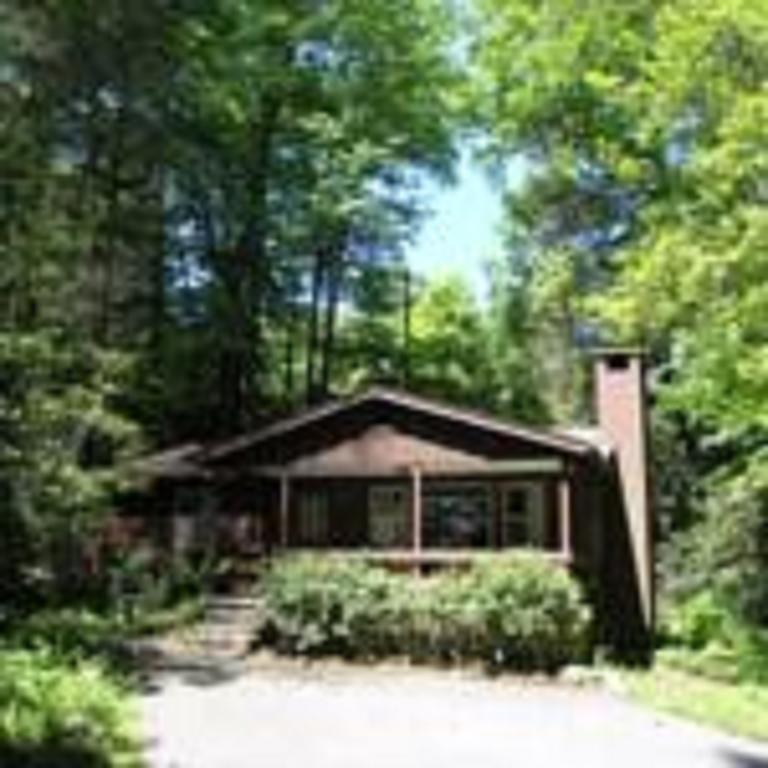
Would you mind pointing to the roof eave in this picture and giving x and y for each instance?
(545, 438)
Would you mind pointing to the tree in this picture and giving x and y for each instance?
(643, 126)
(449, 346)
(346, 103)
(190, 195)
(62, 439)
(513, 317)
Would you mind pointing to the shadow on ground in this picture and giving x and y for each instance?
(154, 665)
(739, 759)
(52, 756)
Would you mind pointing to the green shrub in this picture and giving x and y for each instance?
(82, 633)
(517, 612)
(703, 637)
(67, 631)
(697, 621)
(529, 613)
(55, 713)
(316, 606)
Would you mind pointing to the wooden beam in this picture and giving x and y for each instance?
(285, 508)
(408, 558)
(471, 469)
(416, 509)
(565, 511)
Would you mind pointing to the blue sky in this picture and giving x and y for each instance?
(463, 231)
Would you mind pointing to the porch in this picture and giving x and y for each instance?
(428, 515)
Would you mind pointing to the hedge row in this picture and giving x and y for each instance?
(518, 612)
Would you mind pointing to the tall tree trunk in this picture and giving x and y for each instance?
(333, 290)
(288, 363)
(313, 331)
(248, 290)
(407, 303)
(156, 276)
(105, 253)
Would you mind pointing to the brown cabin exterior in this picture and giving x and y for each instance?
(399, 479)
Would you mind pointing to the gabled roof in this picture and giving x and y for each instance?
(546, 438)
(179, 462)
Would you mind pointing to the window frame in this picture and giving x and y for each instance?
(313, 516)
(439, 485)
(407, 511)
(533, 518)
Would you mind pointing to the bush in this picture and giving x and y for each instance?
(316, 606)
(530, 614)
(697, 621)
(704, 637)
(67, 631)
(78, 633)
(55, 713)
(517, 613)
(725, 552)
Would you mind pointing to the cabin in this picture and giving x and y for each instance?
(408, 482)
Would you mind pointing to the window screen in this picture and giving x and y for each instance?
(456, 516)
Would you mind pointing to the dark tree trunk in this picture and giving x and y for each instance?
(313, 331)
(241, 379)
(288, 360)
(333, 290)
(407, 301)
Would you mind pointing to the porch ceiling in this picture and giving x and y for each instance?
(521, 467)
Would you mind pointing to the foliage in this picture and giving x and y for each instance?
(61, 438)
(214, 179)
(697, 622)
(641, 218)
(449, 351)
(190, 193)
(79, 632)
(739, 708)
(62, 713)
(517, 613)
(68, 632)
(726, 551)
(317, 606)
(702, 636)
(438, 339)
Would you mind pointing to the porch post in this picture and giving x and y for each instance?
(564, 508)
(416, 511)
(285, 505)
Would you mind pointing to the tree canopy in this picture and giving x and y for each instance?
(205, 208)
(643, 216)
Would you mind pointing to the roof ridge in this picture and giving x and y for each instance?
(404, 398)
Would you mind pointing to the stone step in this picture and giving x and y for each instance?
(233, 602)
(228, 625)
(227, 622)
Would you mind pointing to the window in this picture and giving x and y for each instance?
(191, 500)
(192, 508)
(522, 519)
(184, 531)
(456, 515)
(313, 513)
(617, 361)
(389, 515)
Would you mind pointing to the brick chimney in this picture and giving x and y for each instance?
(620, 404)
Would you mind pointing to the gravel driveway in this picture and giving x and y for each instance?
(400, 718)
